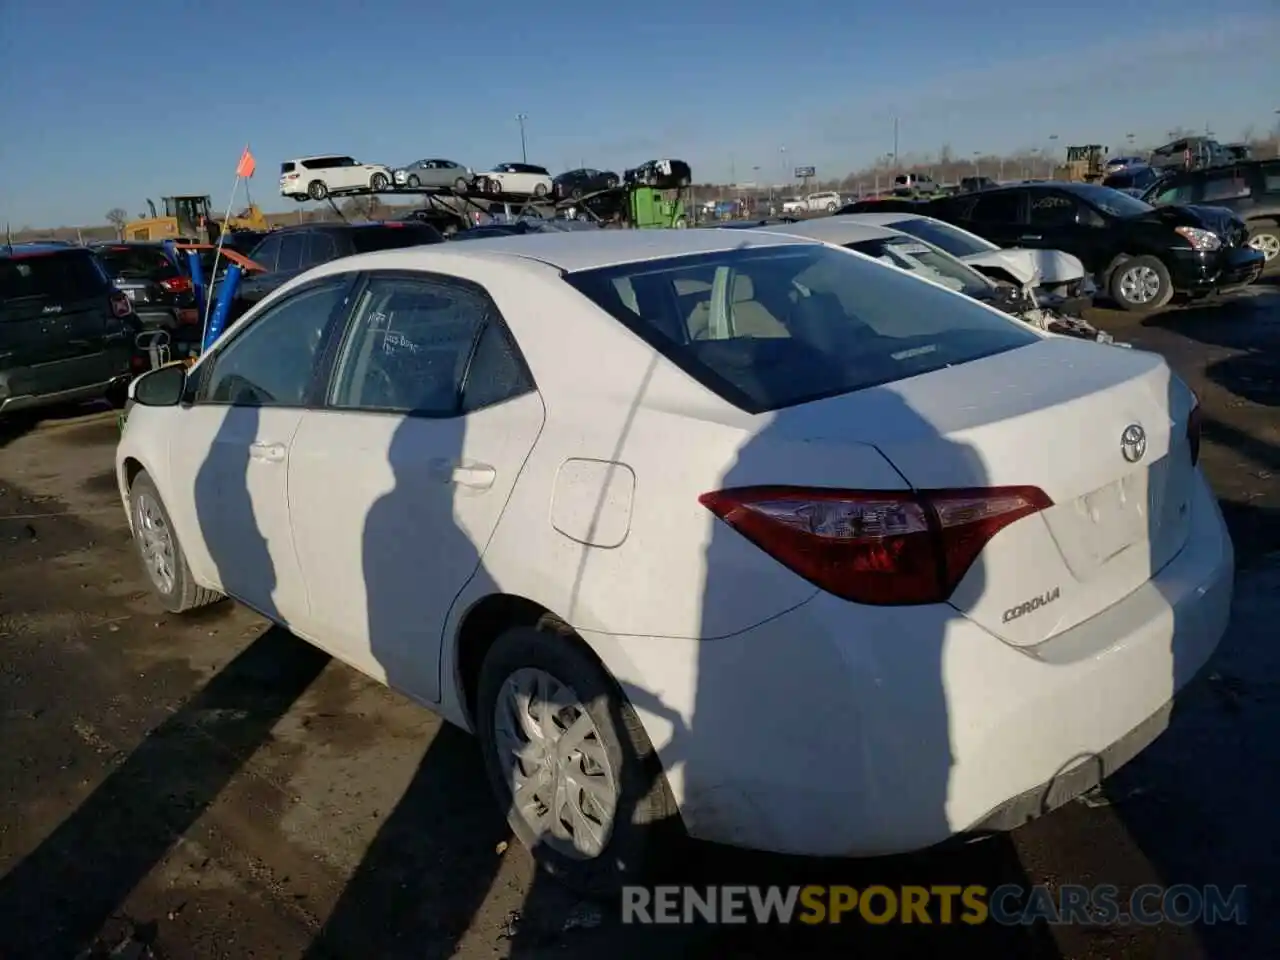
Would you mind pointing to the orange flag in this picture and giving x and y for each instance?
(246, 166)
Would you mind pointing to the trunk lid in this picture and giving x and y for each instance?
(1050, 415)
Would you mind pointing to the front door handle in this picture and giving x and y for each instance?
(269, 452)
(479, 476)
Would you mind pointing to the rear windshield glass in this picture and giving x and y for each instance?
(137, 263)
(770, 327)
(926, 261)
(953, 241)
(52, 276)
(367, 239)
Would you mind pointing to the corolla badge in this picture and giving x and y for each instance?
(1133, 443)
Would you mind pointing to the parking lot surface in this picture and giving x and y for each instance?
(210, 786)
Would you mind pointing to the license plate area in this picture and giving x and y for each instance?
(1118, 514)
(1100, 525)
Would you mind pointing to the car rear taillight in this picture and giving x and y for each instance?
(121, 306)
(1195, 422)
(880, 547)
(176, 285)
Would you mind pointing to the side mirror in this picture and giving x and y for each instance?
(160, 388)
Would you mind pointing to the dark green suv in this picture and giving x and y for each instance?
(66, 333)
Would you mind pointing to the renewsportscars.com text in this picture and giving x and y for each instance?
(1009, 905)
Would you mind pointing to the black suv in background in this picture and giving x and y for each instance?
(1249, 189)
(289, 251)
(66, 334)
(157, 285)
(576, 183)
(1139, 254)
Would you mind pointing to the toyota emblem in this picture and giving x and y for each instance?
(1133, 443)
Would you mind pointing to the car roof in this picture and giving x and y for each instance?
(837, 229)
(574, 250)
(29, 247)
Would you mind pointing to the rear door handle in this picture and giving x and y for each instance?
(1028, 236)
(269, 452)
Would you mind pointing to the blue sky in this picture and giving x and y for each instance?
(727, 86)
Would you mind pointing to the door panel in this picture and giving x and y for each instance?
(396, 489)
(238, 458)
(391, 518)
(229, 461)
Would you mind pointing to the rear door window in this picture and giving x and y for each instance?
(1053, 209)
(770, 327)
(58, 277)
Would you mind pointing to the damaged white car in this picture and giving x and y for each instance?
(1059, 279)
(1036, 286)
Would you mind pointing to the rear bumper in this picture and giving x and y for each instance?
(1199, 273)
(836, 730)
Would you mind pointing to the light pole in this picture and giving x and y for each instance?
(895, 144)
(1052, 139)
(782, 154)
(524, 153)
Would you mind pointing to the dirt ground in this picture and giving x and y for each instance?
(209, 787)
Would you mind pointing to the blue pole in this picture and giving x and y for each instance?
(226, 293)
(197, 280)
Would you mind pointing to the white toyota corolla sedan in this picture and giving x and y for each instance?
(729, 531)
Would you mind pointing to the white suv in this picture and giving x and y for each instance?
(317, 177)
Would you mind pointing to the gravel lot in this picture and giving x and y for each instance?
(210, 787)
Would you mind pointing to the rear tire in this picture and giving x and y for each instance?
(1141, 284)
(317, 190)
(152, 529)
(461, 185)
(615, 754)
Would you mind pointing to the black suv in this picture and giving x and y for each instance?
(1139, 254)
(289, 251)
(577, 183)
(1249, 189)
(157, 284)
(66, 333)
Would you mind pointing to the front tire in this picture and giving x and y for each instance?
(1140, 284)
(831, 208)
(414, 182)
(163, 560)
(594, 807)
(378, 182)
(539, 189)
(1266, 240)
